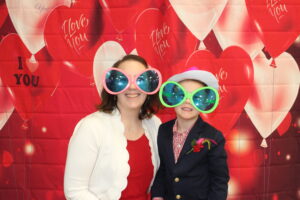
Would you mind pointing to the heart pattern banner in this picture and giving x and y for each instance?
(235, 28)
(7, 106)
(29, 80)
(102, 60)
(29, 19)
(234, 71)
(199, 16)
(3, 11)
(125, 10)
(72, 33)
(157, 42)
(53, 54)
(277, 23)
(274, 92)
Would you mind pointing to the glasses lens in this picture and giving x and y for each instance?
(205, 99)
(172, 94)
(148, 81)
(115, 81)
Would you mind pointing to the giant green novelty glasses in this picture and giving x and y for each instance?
(205, 99)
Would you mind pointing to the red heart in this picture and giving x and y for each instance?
(123, 13)
(285, 124)
(234, 71)
(71, 34)
(162, 39)
(277, 23)
(7, 159)
(29, 86)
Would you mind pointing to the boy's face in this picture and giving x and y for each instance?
(186, 110)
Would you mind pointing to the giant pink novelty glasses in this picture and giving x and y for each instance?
(116, 81)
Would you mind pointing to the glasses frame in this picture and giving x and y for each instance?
(131, 80)
(188, 95)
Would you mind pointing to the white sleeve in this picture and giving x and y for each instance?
(157, 121)
(81, 158)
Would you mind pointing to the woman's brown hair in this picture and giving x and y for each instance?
(109, 101)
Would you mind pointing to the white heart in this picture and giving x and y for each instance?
(275, 91)
(199, 16)
(107, 54)
(6, 107)
(234, 29)
(29, 17)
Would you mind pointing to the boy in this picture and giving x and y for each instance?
(193, 162)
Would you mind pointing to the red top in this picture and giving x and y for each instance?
(141, 170)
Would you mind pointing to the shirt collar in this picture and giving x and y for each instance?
(175, 129)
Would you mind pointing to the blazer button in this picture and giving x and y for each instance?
(176, 179)
(178, 196)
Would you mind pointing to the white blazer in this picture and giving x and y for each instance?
(97, 160)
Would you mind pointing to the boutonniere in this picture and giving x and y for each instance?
(197, 145)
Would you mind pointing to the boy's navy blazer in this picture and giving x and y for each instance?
(197, 175)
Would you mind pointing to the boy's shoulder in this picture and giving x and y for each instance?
(210, 127)
(168, 123)
(212, 131)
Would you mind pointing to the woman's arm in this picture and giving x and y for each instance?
(81, 158)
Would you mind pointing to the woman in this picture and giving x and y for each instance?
(112, 153)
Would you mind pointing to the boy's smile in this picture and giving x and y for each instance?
(188, 109)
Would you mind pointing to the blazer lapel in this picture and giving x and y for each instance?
(169, 143)
(193, 134)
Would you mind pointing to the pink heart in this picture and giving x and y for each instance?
(6, 105)
(275, 91)
(199, 16)
(32, 64)
(104, 60)
(29, 18)
(235, 27)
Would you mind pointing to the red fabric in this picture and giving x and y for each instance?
(141, 170)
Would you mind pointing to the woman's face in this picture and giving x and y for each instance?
(132, 98)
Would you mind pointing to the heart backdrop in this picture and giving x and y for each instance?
(285, 124)
(29, 19)
(107, 54)
(6, 105)
(30, 82)
(234, 71)
(162, 39)
(3, 11)
(277, 23)
(275, 91)
(72, 33)
(199, 16)
(235, 27)
(123, 13)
